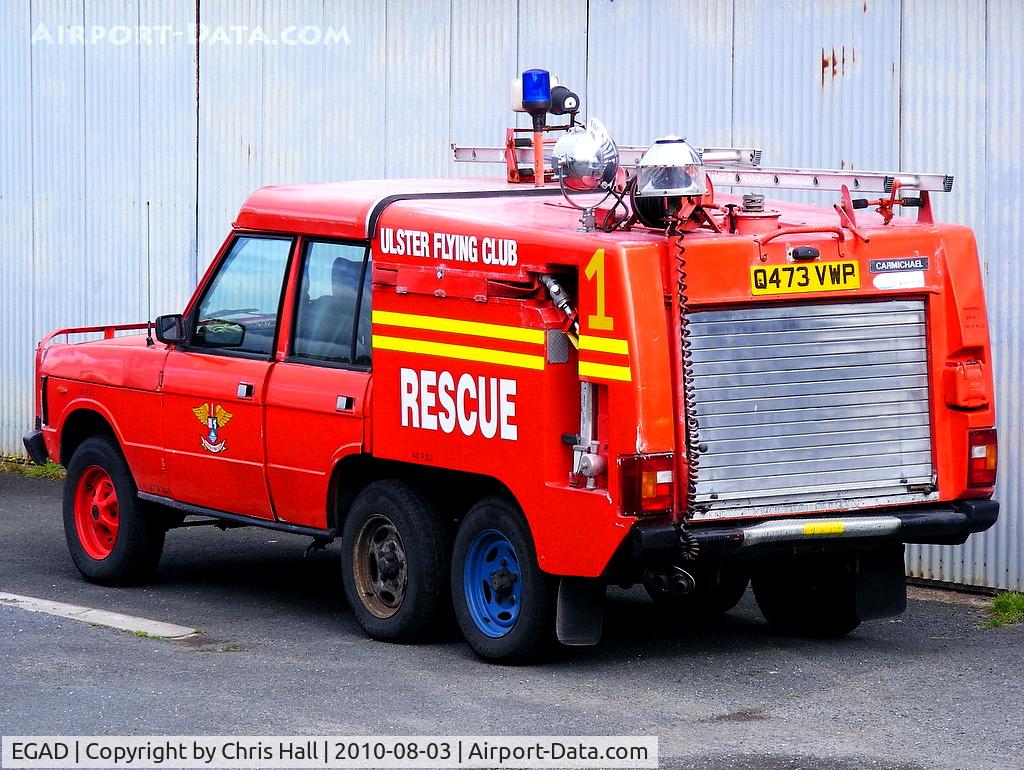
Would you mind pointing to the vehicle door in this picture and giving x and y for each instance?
(316, 396)
(213, 386)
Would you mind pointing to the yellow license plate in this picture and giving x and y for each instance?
(794, 279)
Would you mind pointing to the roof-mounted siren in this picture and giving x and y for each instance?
(537, 93)
(534, 98)
(531, 95)
(671, 181)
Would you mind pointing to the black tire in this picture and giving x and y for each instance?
(718, 590)
(814, 598)
(394, 511)
(532, 634)
(135, 548)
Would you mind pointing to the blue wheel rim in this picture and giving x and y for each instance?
(492, 582)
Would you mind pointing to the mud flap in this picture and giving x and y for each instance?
(580, 613)
(881, 584)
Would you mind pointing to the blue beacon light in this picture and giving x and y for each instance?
(536, 101)
(537, 95)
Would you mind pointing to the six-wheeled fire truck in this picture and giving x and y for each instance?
(504, 395)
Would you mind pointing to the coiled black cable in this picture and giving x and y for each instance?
(675, 233)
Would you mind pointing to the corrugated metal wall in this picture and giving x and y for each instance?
(90, 133)
(962, 96)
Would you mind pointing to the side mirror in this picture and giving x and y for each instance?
(170, 329)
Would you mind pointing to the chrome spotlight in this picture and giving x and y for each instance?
(586, 160)
(671, 168)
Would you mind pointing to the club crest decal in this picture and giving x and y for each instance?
(214, 417)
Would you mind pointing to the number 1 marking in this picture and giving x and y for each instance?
(594, 267)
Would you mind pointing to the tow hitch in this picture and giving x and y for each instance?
(676, 581)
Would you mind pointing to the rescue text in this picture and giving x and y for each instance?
(484, 405)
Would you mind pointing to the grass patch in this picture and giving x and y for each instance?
(1006, 609)
(20, 467)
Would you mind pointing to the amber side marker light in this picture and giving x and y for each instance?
(646, 482)
(982, 458)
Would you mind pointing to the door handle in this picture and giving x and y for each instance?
(245, 390)
(345, 403)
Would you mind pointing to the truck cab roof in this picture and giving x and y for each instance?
(346, 209)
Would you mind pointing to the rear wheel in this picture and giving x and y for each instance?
(395, 562)
(718, 590)
(111, 538)
(504, 603)
(814, 597)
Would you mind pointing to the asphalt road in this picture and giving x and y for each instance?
(281, 654)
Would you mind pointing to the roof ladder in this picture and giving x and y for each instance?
(740, 167)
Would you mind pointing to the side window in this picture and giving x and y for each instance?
(334, 298)
(239, 310)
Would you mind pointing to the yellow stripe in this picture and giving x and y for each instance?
(473, 328)
(825, 528)
(604, 345)
(461, 352)
(605, 371)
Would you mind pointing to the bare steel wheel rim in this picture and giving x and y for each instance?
(379, 565)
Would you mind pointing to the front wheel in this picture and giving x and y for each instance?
(504, 603)
(111, 538)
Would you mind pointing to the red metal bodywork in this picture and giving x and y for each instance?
(486, 329)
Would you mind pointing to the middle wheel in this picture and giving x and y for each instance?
(504, 602)
(394, 562)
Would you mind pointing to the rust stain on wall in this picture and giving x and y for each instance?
(833, 63)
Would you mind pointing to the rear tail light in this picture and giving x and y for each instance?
(647, 484)
(982, 458)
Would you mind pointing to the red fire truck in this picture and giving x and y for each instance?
(504, 395)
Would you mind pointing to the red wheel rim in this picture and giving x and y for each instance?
(97, 516)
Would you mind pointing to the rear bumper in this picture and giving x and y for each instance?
(36, 447)
(947, 524)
